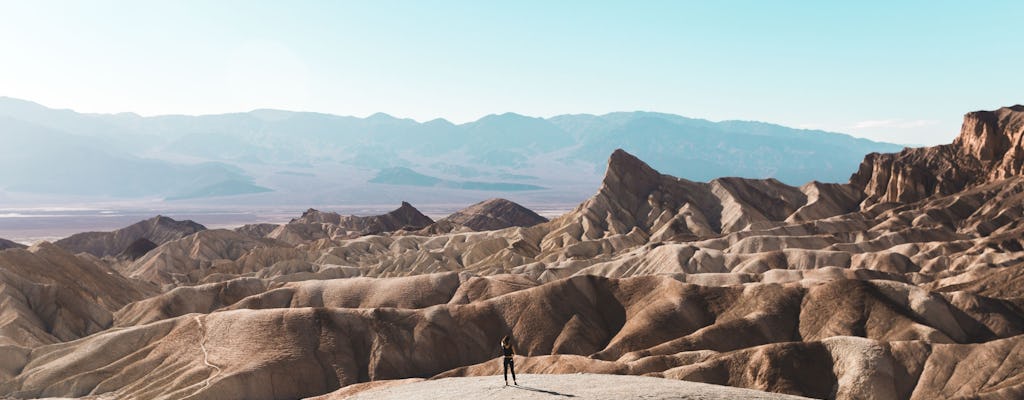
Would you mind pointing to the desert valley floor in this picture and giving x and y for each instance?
(905, 282)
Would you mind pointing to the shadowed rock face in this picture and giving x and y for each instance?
(495, 214)
(137, 249)
(158, 230)
(904, 284)
(7, 244)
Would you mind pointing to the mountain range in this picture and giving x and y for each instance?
(302, 158)
(904, 282)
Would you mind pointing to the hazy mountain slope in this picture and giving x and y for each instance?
(406, 177)
(702, 150)
(58, 163)
(98, 127)
(502, 155)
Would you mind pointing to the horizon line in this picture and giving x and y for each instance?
(450, 121)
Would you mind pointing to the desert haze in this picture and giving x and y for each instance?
(903, 283)
(296, 160)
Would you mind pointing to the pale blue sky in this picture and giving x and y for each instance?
(897, 71)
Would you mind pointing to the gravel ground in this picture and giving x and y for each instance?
(550, 387)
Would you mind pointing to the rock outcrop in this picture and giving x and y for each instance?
(494, 214)
(158, 230)
(996, 139)
(990, 147)
(638, 204)
(404, 217)
(7, 244)
(314, 225)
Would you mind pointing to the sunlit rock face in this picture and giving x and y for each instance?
(989, 148)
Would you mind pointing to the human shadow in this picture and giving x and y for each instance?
(551, 392)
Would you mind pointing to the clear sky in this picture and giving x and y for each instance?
(900, 71)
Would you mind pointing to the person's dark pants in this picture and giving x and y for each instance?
(509, 364)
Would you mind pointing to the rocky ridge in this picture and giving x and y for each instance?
(990, 147)
(315, 224)
(49, 296)
(904, 283)
(494, 214)
(158, 230)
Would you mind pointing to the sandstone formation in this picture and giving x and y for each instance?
(158, 230)
(49, 296)
(903, 284)
(990, 147)
(256, 230)
(190, 259)
(766, 336)
(314, 225)
(495, 214)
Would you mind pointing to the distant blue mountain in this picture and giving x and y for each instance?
(180, 156)
(407, 177)
(40, 160)
(702, 150)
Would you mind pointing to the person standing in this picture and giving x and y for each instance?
(508, 351)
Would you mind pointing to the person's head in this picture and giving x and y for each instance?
(505, 340)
